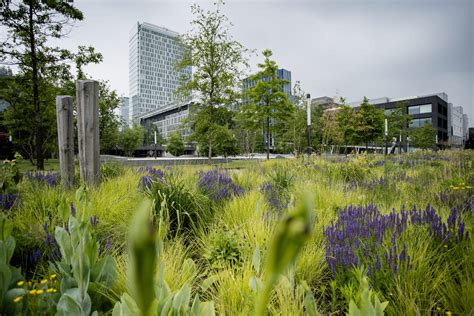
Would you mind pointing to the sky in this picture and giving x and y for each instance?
(348, 48)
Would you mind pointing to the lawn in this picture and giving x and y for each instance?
(286, 237)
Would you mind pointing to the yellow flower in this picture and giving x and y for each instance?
(448, 313)
(20, 283)
(32, 292)
(17, 299)
(44, 281)
(38, 292)
(51, 290)
(53, 276)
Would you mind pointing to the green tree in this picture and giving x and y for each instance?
(149, 138)
(175, 144)
(370, 126)
(267, 103)
(332, 133)
(217, 61)
(398, 121)
(109, 122)
(131, 138)
(30, 24)
(423, 137)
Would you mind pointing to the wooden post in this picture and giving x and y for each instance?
(65, 139)
(87, 96)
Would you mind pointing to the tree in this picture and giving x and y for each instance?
(175, 144)
(267, 103)
(398, 121)
(109, 122)
(149, 138)
(423, 137)
(346, 118)
(332, 134)
(30, 24)
(131, 138)
(370, 125)
(217, 62)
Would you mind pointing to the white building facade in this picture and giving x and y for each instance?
(153, 77)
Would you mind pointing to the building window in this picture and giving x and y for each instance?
(420, 109)
(420, 122)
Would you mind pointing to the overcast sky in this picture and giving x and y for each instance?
(350, 48)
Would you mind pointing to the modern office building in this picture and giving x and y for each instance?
(455, 125)
(465, 127)
(168, 119)
(431, 109)
(125, 110)
(282, 74)
(153, 54)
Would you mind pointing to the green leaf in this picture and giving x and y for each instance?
(256, 260)
(64, 241)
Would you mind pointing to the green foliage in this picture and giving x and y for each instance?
(398, 121)
(223, 249)
(266, 100)
(131, 139)
(175, 144)
(217, 61)
(423, 137)
(288, 240)
(41, 68)
(366, 302)
(83, 272)
(111, 170)
(347, 120)
(182, 210)
(108, 121)
(150, 296)
(10, 175)
(370, 123)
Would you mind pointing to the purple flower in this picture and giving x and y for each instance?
(7, 201)
(94, 220)
(218, 185)
(49, 178)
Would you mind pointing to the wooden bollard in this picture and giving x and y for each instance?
(65, 122)
(87, 96)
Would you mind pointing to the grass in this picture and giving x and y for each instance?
(204, 255)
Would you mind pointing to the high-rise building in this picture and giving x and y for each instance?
(282, 74)
(125, 110)
(154, 53)
(465, 127)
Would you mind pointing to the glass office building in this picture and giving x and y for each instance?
(154, 53)
(282, 74)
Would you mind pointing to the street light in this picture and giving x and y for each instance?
(386, 137)
(308, 122)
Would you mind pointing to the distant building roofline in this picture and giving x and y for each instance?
(382, 100)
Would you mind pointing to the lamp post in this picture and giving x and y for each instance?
(386, 137)
(154, 134)
(308, 122)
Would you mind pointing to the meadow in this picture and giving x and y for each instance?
(361, 235)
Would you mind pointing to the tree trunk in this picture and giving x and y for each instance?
(268, 137)
(36, 105)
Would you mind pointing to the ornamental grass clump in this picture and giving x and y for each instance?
(218, 185)
(150, 177)
(362, 236)
(277, 200)
(49, 178)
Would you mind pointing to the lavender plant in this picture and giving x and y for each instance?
(362, 236)
(48, 178)
(218, 185)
